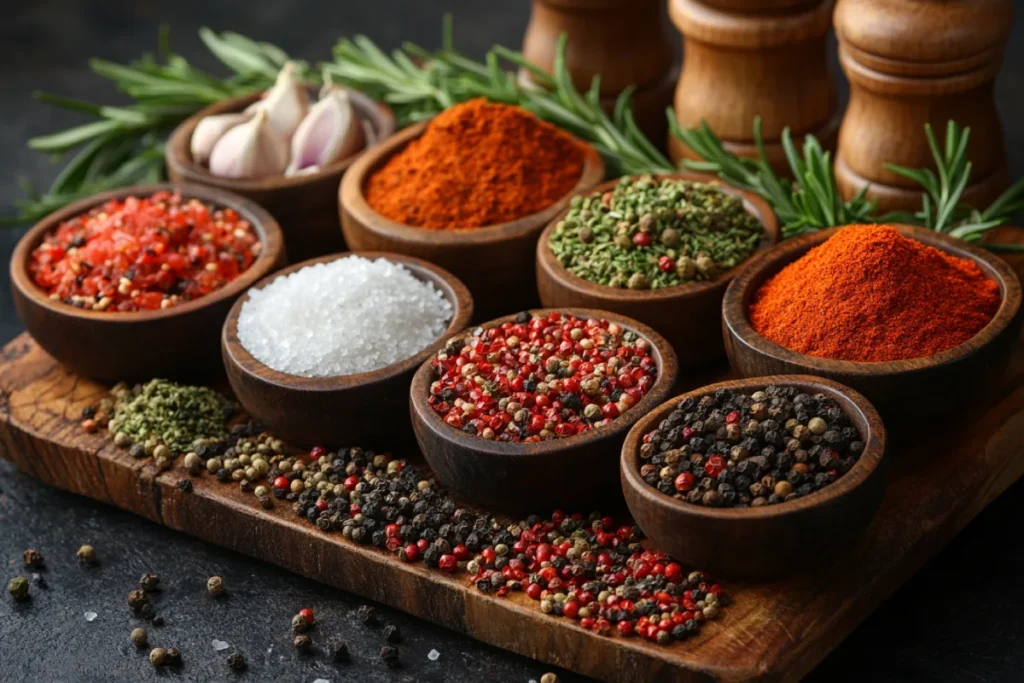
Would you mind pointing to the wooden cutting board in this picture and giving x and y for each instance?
(774, 631)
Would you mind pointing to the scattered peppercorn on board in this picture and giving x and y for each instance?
(773, 631)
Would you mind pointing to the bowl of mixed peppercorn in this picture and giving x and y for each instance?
(136, 283)
(754, 478)
(644, 245)
(529, 411)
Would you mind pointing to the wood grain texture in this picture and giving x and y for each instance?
(181, 341)
(496, 262)
(625, 42)
(306, 205)
(771, 540)
(901, 390)
(527, 477)
(689, 316)
(334, 411)
(773, 631)
(910, 64)
(745, 59)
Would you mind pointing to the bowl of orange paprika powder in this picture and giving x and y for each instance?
(915, 320)
(470, 190)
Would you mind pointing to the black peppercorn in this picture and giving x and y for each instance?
(389, 654)
(392, 634)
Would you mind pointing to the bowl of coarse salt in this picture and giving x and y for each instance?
(323, 352)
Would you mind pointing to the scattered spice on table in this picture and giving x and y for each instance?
(348, 316)
(139, 637)
(215, 586)
(650, 233)
(86, 554)
(163, 418)
(869, 294)
(158, 656)
(738, 449)
(18, 588)
(32, 558)
(302, 643)
(540, 377)
(389, 654)
(143, 253)
(477, 164)
(236, 660)
(149, 582)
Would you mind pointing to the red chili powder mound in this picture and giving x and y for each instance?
(477, 164)
(870, 294)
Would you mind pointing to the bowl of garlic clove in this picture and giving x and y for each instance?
(286, 149)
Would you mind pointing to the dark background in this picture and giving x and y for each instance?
(956, 620)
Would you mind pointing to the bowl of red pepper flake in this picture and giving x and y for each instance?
(137, 282)
(530, 410)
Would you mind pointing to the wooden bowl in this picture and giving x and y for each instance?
(767, 541)
(178, 342)
(305, 205)
(496, 262)
(567, 473)
(688, 315)
(365, 409)
(928, 386)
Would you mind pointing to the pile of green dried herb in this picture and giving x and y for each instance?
(650, 233)
(162, 413)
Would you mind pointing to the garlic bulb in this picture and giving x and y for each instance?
(208, 131)
(331, 131)
(250, 150)
(286, 103)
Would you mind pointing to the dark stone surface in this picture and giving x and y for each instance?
(957, 620)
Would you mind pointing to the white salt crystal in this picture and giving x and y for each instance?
(321, 680)
(433, 655)
(220, 645)
(340, 318)
(90, 616)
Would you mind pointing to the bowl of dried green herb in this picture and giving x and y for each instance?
(660, 249)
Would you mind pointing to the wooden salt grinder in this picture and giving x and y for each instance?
(748, 58)
(626, 42)
(911, 63)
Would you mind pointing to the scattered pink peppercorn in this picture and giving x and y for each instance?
(307, 614)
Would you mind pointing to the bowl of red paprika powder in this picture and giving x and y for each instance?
(470, 191)
(135, 333)
(689, 315)
(532, 470)
(305, 205)
(917, 321)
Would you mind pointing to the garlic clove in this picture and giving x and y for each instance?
(308, 170)
(250, 150)
(208, 131)
(286, 104)
(331, 131)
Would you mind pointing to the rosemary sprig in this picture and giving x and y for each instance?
(942, 207)
(124, 145)
(812, 202)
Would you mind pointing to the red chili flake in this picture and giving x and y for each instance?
(145, 253)
(538, 378)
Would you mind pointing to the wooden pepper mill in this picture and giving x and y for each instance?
(748, 58)
(626, 42)
(911, 62)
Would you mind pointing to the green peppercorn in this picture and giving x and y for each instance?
(300, 624)
(139, 637)
(549, 678)
(638, 281)
(18, 588)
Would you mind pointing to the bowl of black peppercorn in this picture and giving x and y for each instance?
(759, 477)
